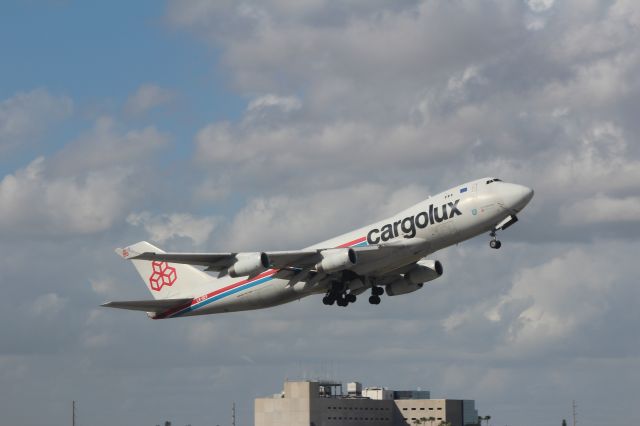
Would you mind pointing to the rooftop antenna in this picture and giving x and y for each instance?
(233, 414)
(575, 414)
(73, 413)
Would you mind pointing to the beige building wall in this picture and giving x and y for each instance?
(302, 405)
(292, 410)
(412, 409)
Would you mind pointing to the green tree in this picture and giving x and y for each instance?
(564, 422)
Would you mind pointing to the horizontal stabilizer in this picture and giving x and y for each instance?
(159, 305)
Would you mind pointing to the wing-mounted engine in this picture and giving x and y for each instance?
(414, 279)
(402, 286)
(334, 260)
(248, 264)
(425, 270)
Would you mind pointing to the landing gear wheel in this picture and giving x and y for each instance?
(377, 291)
(342, 301)
(328, 300)
(351, 298)
(495, 244)
(374, 300)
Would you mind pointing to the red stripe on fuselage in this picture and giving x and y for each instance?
(352, 243)
(199, 299)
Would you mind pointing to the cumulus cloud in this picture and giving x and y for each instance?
(47, 305)
(26, 115)
(34, 202)
(108, 145)
(146, 98)
(164, 227)
(601, 209)
(316, 216)
(83, 188)
(540, 5)
(284, 103)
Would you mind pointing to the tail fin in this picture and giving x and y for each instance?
(166, 280)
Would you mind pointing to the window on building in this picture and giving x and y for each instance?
(421, 408)
(439, 408)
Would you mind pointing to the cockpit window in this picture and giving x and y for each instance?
(493, 180)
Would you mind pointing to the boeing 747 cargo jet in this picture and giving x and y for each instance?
(385, 257)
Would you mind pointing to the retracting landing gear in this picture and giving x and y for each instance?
(338, 294)
(376, 292)
(502, 225)
(494, 243)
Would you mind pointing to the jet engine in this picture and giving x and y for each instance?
(249, 264)
(334, 260)
(402, 286)
(425, 270)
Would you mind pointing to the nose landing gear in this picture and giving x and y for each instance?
(494, 243)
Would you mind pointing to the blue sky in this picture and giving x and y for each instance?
(263, 125)
(98, 53)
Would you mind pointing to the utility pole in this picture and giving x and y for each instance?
(233, 414)
(575, 406)
(73, 413)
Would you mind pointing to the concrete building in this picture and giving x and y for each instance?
(323, 403)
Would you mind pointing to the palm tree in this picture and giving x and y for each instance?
(432, 419)
(417, 422)
(424, 420)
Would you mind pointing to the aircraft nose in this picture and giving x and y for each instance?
(517, 196)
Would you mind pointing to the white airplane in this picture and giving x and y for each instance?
(388, 255)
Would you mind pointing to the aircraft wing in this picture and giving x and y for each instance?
(302, 259)
(159, 305)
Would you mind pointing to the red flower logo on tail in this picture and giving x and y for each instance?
(162, 275)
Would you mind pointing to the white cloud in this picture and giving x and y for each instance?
(27, 114)
(285, 103)
(308, 219)
(48, 305)
(602, 209)
(84, 188)
(554, 307)
(102, 286)
(164, 227)
(540, 5)
(108, 145)
(34, 202)
(147, 97)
